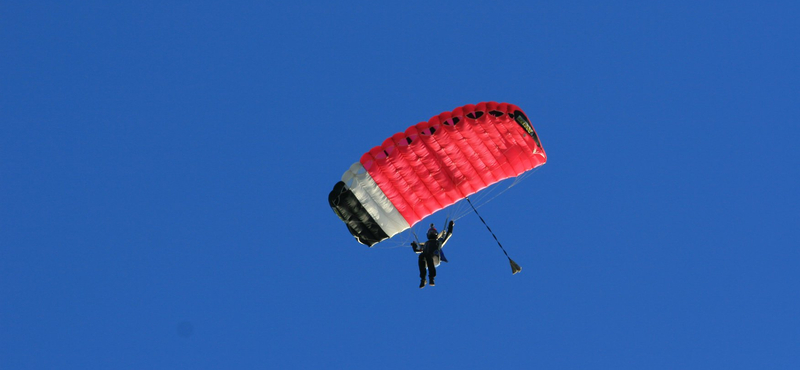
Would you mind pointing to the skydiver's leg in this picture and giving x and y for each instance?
(431, 269)
(431, 265)
(421, 263)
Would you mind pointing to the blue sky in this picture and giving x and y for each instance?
(164, 172)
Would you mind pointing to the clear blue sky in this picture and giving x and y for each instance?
(165, 166)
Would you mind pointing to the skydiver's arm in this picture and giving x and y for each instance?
(447, 234)
(417, 247)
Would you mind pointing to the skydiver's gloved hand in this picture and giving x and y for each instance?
(450, 227)
(417, 247)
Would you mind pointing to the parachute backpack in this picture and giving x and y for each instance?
(432, 165)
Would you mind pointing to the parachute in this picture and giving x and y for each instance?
(433, 165)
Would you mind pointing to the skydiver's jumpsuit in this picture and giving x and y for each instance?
(430, 253)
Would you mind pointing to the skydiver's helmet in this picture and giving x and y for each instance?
(432, 233)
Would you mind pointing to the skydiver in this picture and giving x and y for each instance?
(430, 253)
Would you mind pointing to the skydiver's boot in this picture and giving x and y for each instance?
(422, 283)
(431, 283)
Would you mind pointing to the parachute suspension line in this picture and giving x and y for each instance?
(515, 268)
(516, 181)
(459, 210)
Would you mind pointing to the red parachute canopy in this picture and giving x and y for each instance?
(432, 165)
